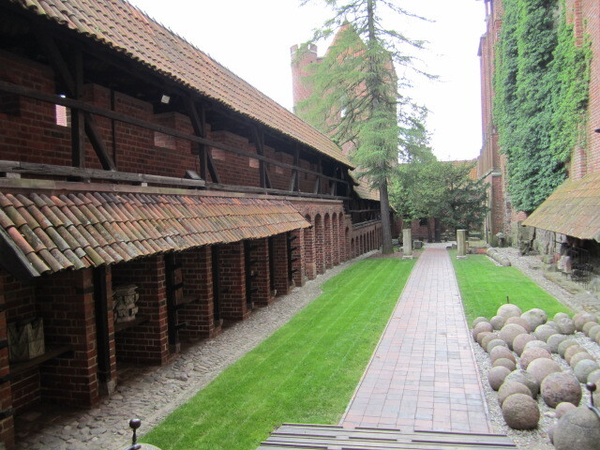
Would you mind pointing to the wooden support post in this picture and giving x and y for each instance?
(259, 141)
(199, 125)
(295, 182)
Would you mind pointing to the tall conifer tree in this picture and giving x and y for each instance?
(357, 96)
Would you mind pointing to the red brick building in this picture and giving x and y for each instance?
(568, 220)
(491, 163)
(132, 165)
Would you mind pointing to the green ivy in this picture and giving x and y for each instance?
(541, 83)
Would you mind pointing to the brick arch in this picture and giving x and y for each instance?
(352, 249)
(319, 235)
(310, 265)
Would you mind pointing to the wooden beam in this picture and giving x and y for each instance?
(295, 181)
(259, 142)
(70, 103)
(56, 59)
(257, 190)
(76, 172)
(97, 142)
(199, 125)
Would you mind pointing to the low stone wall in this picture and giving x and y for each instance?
(498, 257)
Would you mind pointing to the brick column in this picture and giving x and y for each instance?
(260, 270)
(148, 342)
(108, 380)
(67, 306)
(310, 265)
(319, 236)
(280, 262)
(344, 244)
(197, 271)
(298, 265)
(7, 431)
(328, 241)
(232, 278)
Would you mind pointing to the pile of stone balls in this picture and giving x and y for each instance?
(520, 346)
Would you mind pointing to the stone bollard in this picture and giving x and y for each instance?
(407, 243)
(461, 243)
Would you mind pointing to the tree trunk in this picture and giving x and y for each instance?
(386, 226)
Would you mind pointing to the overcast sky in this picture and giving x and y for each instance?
(253, 39)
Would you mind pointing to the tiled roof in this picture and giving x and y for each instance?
(52, 233)
(121, 26)
(362, 188)
(572, 209)
(365, 192)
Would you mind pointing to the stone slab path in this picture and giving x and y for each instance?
(423, 374)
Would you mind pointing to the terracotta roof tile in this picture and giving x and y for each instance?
(572, 209)
(122, 27)
(92, 229)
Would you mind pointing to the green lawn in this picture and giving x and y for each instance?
(305, 372)
(484, 286)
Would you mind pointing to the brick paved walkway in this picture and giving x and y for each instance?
(423, 374)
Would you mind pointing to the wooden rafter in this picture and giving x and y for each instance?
(259, 138)
(199, 125)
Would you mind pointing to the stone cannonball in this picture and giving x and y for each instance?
(577, 429)
(538, 344)
(524, 377)
(561, 387)
(586, 327)
(483, 334)
(505, 362)
(519, 321)
(564, 407)
(520, 412)
(521, 341)
(593, 332)
(481, 326)
(531, 354)
(580, 357)
(564, 345)
(542, 367)
(494, 343)
(543, 332)
(509, 310)
(560, 315)
(584, 368)
(487, 338)
(512, 387)
(496, 376)
(535, 317)
(555, 340)
(498, 322)
(477, 320)
(509, 332)
(565, 326)
(581, 319)
(594, 377)
(572, 351)
(501, 352)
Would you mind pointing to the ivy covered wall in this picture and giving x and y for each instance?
(541, 81)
